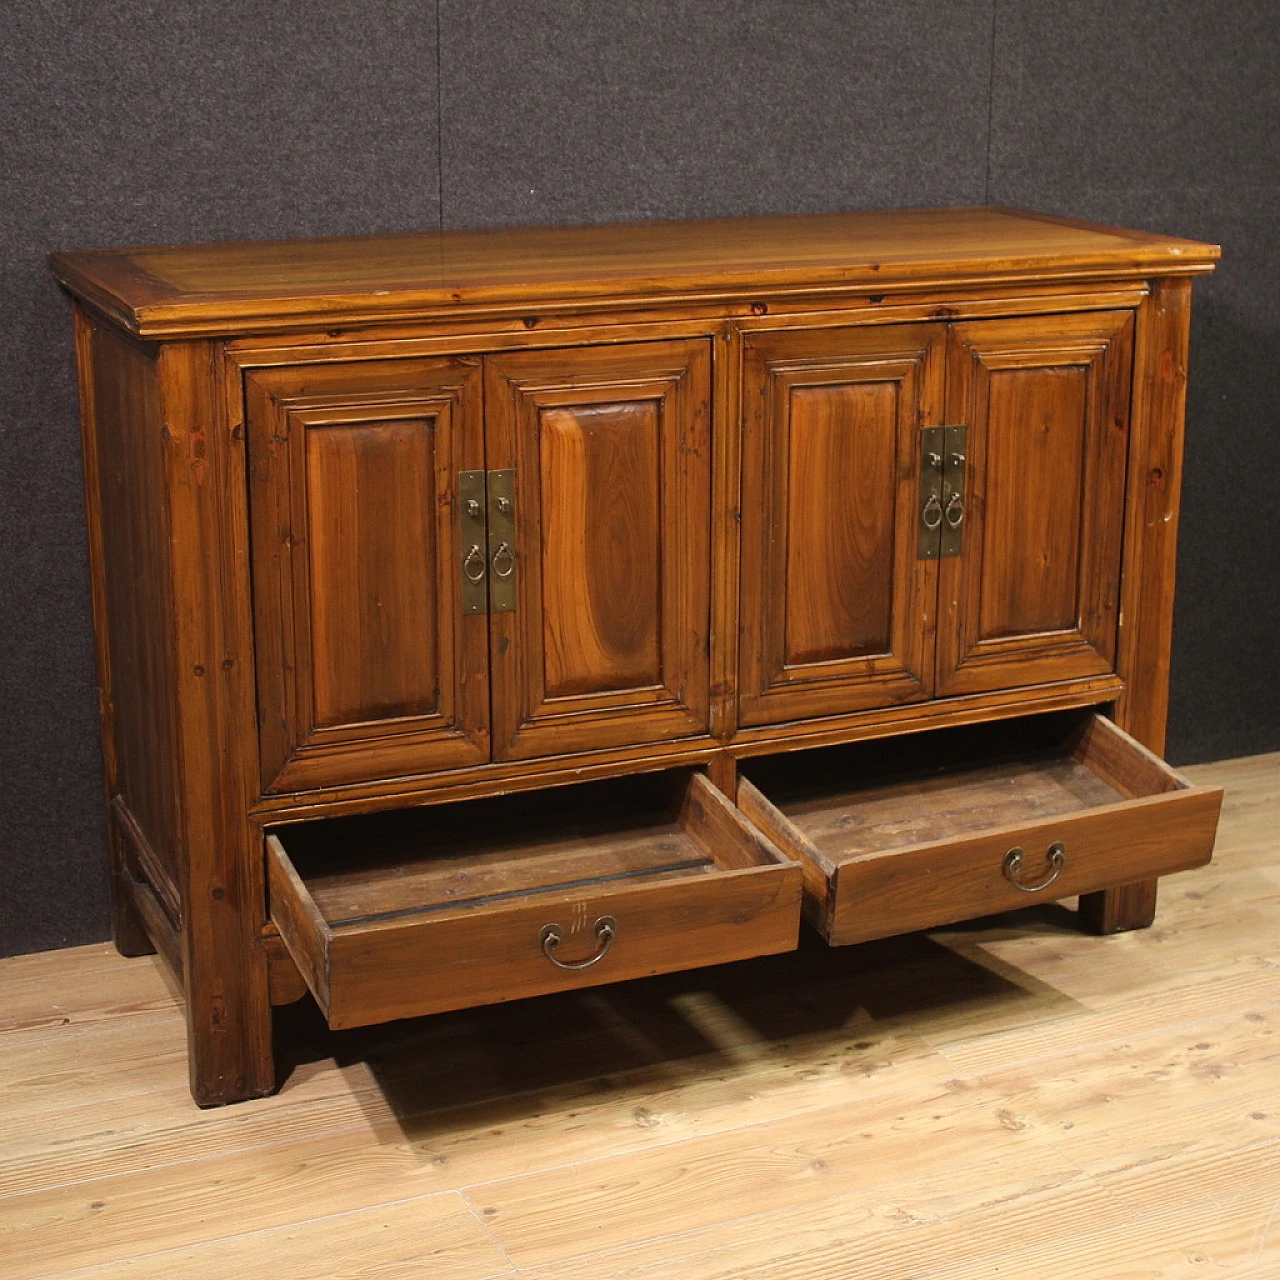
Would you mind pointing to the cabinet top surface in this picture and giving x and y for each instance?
(250, 287)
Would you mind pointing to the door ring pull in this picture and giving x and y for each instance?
(1055, 855)
(503, 553)
(551, 936)
(473, 564)
(954, 513)
(931, 515)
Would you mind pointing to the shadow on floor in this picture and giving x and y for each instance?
(498, 1061)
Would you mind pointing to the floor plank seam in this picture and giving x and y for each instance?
(484, 1226)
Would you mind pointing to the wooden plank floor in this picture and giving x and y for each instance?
(1010, 1098)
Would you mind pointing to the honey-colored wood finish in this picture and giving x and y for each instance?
(367, 665)
(221, 288)
(611, 449)
(713, 433)
(926, 848)
(454, 917)
(837, 607)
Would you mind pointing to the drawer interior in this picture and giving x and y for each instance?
(914, 831)
(414, 911)
(923, 787)
(459, 857)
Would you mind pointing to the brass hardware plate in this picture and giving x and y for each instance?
(932, 442)
(954, 461)
(473, 542)
(502, 541)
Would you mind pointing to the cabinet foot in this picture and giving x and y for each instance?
(227, 1067)
(1130, 906)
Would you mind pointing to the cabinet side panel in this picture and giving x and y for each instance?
(134, 610)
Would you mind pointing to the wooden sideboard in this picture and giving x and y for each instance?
(489, 613)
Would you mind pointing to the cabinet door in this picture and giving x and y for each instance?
(1033, 595)
(836, 605)
(367, 667)
(610, 448)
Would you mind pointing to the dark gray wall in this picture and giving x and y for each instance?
(127, 122)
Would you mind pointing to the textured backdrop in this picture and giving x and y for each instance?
(126, 122)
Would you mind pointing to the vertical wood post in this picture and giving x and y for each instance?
(223, 896)
(1150, 554)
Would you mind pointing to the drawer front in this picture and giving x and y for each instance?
(396, 964)
(902, 890)
(965, 830)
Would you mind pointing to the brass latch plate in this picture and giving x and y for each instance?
(473, 542)
(943, 458)
(502, 541)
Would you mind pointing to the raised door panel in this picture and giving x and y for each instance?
(607, 643)
(367, 666)
(1033, 595)
(836, 605)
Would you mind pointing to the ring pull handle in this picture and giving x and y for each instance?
(473, 564)
(954, 513)
(505, 554)
(1055, 856)
(931, 515)
(551, 936)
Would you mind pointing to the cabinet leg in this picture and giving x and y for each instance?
(229, 1064)
(1131, 906)
(229, 1022)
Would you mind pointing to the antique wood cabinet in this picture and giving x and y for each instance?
(483, 614)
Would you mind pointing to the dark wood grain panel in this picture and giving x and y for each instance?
(601, 502)
(839, 593)
(1035, 593)
(611, 451)
(1033, 490)
(371, 499)
(836, 607)
(367, 665)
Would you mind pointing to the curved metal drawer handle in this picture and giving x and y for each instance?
(954, 513)
(473, 564)
(931, 515)
(503, 552)
(1055, 855)
(551, 936)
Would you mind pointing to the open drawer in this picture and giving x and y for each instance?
(418, 911)
(933, 828)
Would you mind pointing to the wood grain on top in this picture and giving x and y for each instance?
(185, 289)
